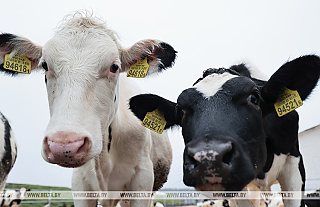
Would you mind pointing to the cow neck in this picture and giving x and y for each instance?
(103, 162)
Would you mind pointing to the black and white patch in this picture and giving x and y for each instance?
(231, 131)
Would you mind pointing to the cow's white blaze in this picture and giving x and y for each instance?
(211, 84)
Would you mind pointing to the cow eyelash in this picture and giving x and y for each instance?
(45, 66)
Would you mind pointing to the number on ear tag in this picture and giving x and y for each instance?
(288, 101)
(155, 121)
(17, 63)
(139, 69)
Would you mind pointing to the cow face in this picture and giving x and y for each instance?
(82, 85)
(222, 120)
(223, 131)
(82, 63)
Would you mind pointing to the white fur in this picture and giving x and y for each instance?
(211, 84)
(285, 169)
(82, 92)
(255, 72)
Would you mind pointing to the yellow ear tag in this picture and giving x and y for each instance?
(155, 121)
(139, 69)
(288, 101)
(17, 63)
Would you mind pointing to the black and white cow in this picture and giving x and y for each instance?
(8, 150)
(12, 198)
(91, 128)
(231, 130)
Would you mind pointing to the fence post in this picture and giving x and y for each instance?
(49, 202)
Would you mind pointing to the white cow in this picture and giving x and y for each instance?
(91, 128)
(8, 150)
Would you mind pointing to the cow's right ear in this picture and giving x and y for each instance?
(140, 105)
(160, 55)
(12, 44)
(301, 74)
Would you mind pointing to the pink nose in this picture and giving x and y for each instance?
(67, 149)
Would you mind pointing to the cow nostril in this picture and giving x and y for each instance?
(227, 157)
(84, 147)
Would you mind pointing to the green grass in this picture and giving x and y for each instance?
(34, 187)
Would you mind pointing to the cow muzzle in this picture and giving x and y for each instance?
(214, 164)
(67, 149)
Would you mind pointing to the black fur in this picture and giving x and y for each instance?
(218, 71)
(301, 74)
(7, 136)
(167, 55)
(150, 102)
(313, 202)
(6, 162)
(8, 72)
(6, 38)
(110, 139)
(226, 203)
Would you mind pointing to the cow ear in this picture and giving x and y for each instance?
(301, 74)
(140, 105)
(160, 55)
(12, 44)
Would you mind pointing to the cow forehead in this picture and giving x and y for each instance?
(90, 52)
(211, 84)
(82, 40)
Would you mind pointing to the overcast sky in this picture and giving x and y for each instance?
(265, 34)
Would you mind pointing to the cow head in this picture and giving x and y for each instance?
(82, 63)
(222, 120)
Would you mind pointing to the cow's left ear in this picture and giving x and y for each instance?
(12, 44)
(141, 104)
(301, 74)
(160, 55)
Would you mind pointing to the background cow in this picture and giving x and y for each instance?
(214, 203)
(231, 130)
(12, 198)
(8, 150)
(91, 127)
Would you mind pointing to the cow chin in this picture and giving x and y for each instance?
(210, 187)
(221, 187)
(71, 165)
(67, 163)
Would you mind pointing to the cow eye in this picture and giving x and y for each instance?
(45, 66)
(114, 68)
(180, 111)
(254, 99)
